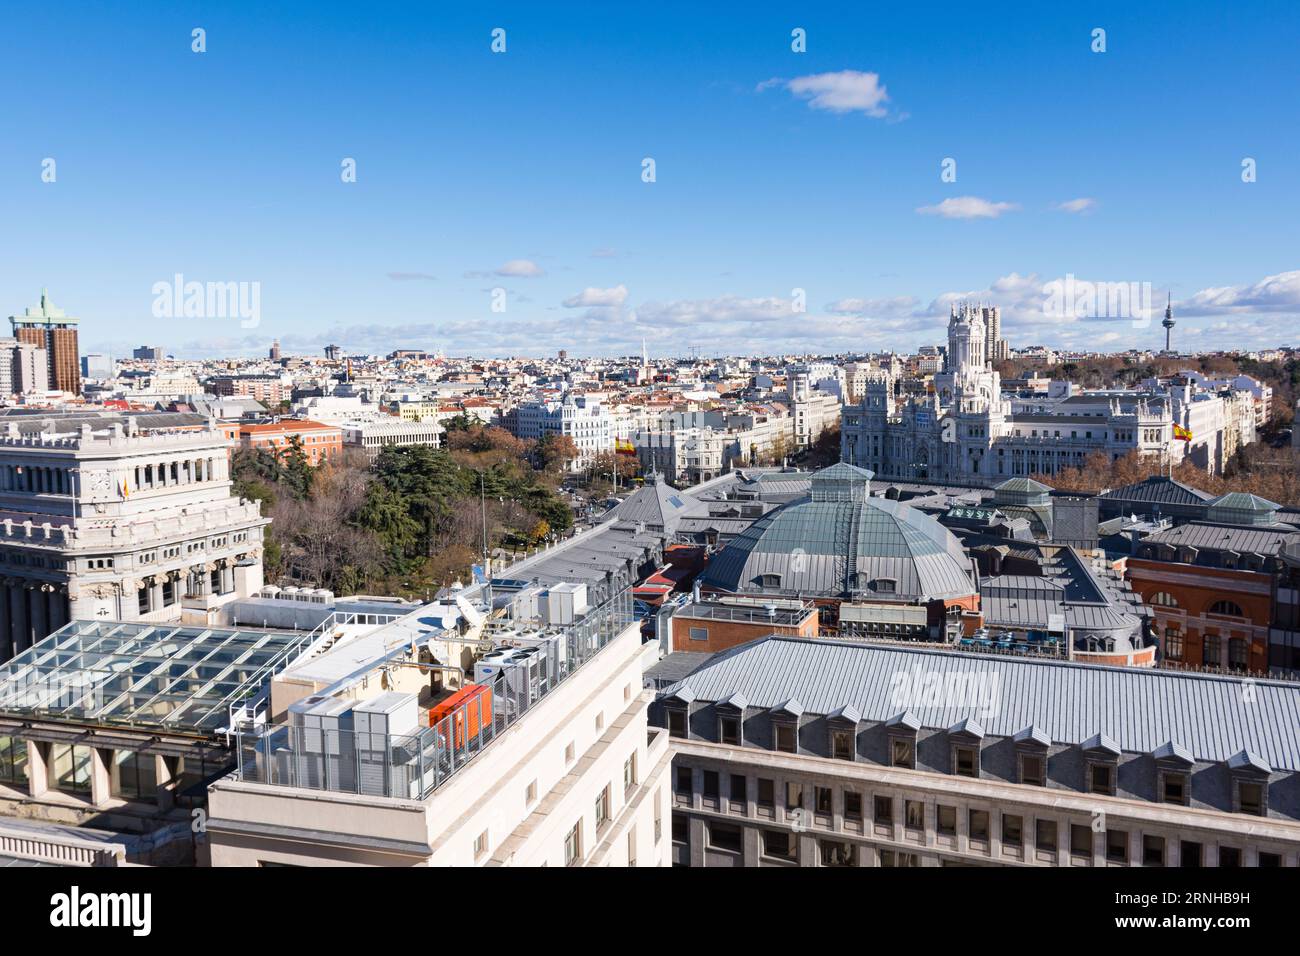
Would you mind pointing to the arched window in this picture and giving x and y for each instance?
(1226, 608)
(1163, 599)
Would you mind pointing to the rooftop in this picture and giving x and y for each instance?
(167, 677)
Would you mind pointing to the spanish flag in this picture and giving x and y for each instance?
(126, 492)
(1181, 433)
(624, 447)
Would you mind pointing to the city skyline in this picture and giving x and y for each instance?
(775, 171)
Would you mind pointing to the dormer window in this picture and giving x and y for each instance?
(843, 730)
(902, 740)
(1031, 756)
(966, 738)
(902, 752)
(785, 726)
(677, 722)
(769, 580)
(1101, 760)
(1249, 783)
(731, 720)
(1173, 773)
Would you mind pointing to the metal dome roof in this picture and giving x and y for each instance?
(845, 545)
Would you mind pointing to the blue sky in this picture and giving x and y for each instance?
(775, 171)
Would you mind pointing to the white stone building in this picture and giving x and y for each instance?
(121, 517)
(964, 430)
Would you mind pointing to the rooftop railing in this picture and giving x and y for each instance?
(415, 765)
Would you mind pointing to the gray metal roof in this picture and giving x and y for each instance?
(817, 546)
(1221, 537)
(1139, 709)
(1159, 490)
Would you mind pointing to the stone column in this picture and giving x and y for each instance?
(101, 776)
(155, 593)
(58, 607)
(19, 631)
(227, 578)
(40, 620)
(165, 769)
(38, 775)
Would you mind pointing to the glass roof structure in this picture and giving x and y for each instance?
(150, 676)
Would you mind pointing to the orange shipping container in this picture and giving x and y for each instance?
(469, 710)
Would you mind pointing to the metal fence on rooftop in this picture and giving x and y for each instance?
(415, 765)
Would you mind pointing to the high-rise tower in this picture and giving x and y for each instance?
(49, 328)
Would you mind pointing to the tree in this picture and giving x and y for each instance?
(556, 452)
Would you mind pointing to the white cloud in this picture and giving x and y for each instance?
(1271, 294)
(521, 269)
(1083, 204)
(847, 91)
(593, 298)
(968, 207)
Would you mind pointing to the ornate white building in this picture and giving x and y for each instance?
(119, 517)
(965, 431)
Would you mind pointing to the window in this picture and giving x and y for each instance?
(1117, 846)
(1173, 787)
(778, 844)
(1153, 850)
(725, 836)
(685, 782)
(766, 793)
(1250, 797)
(1238, 653)
(838, 854)
(1229, 857)
(1012, 830)
(729, 730)
(739, 794)
(676, 722)
(709, 779)
(569, 752)
(699, 634)
(1163, 599)
(137, 776)
(70, 768)
(785, 737)
(1212, 650)
(480, 845)
(822, 800)
(852, 805)
(142, 602)
(965, 761)
(1174, 644)
(946, 820)
(1045, 835)
(770, 580)
(901, 752)
(602, 809)
(13, 761)
(1227, 609)
(978, 821)
(600, 721)
(530, 794)
(842, 744)
(1270, 859)
(1101, 778)
(1031, 769)
(914, 814)
(883, 810)
(681, 829)
(629, 773)
(793, 795)
(573, 845)
(1189, 853)
(1080, 840)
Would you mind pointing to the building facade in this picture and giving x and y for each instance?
(122, 517)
